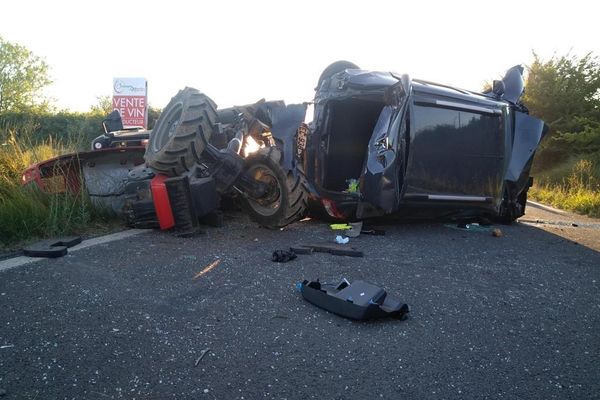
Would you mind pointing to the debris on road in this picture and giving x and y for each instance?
(472, 227)
(282, 256)
(336, 250)
(373, 231)
(202, 354)
(302, 250)
(359, 300)
(355, 229)
(340, 227)
(207, 269)
(341, 239)
(51, 248)
(497, 232)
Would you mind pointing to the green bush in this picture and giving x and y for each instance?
(578, 190)
(78, 129)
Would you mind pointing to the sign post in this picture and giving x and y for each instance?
(130, 98)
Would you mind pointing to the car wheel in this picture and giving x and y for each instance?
(333, 69)
(510, 211)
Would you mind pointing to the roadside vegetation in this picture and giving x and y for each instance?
(573, 185)
(26, 213)
(565, 92)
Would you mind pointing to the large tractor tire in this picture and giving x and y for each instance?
(176, 142)
(333, 69)
(285, 200)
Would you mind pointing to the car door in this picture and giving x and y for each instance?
(456, 151)
(380, 181)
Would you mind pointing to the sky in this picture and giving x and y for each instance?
(238, 52)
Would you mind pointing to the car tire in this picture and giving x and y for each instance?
(286, 200)
(509, 212)
(333, 69)
(176, 141)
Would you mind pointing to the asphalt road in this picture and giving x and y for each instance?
(515, 317)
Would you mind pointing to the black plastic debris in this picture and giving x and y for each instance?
(359, 300)
(282, 256)
(51, 248)
(335, 249)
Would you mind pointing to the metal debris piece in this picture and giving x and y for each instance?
(207, 269)
(202, 354)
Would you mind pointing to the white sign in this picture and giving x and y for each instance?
(130, 98)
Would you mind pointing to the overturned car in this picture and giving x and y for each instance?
(379, 144)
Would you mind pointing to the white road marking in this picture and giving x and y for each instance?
(23, 260)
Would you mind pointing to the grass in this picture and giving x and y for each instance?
(573, 185)
(27, 213)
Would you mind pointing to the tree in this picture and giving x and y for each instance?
(564, 91)
(103, 106)
(23, 75)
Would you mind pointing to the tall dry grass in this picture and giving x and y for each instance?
(26, 213)
(574, 186)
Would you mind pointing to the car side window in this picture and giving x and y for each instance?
(456, 151)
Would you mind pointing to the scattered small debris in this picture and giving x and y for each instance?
(335, 249)
(373, 231)
(282, 256)
(340, 227)
(202, 354)
(341, 239)
(207, 269)
(474, 227)
(355, 229)
(101, 394)
(51, 248)
(302, 250)
(497, 232)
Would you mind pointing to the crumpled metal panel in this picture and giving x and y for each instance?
(105, 175)
(285, 122)
(528, 134)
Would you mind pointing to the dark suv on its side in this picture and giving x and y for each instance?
(382, 143)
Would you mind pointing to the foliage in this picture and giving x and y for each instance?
(77, 129)
(564, 91)
(22, 77)
(561, 148)
(579, 191)
(103, 106)
(26, 212)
